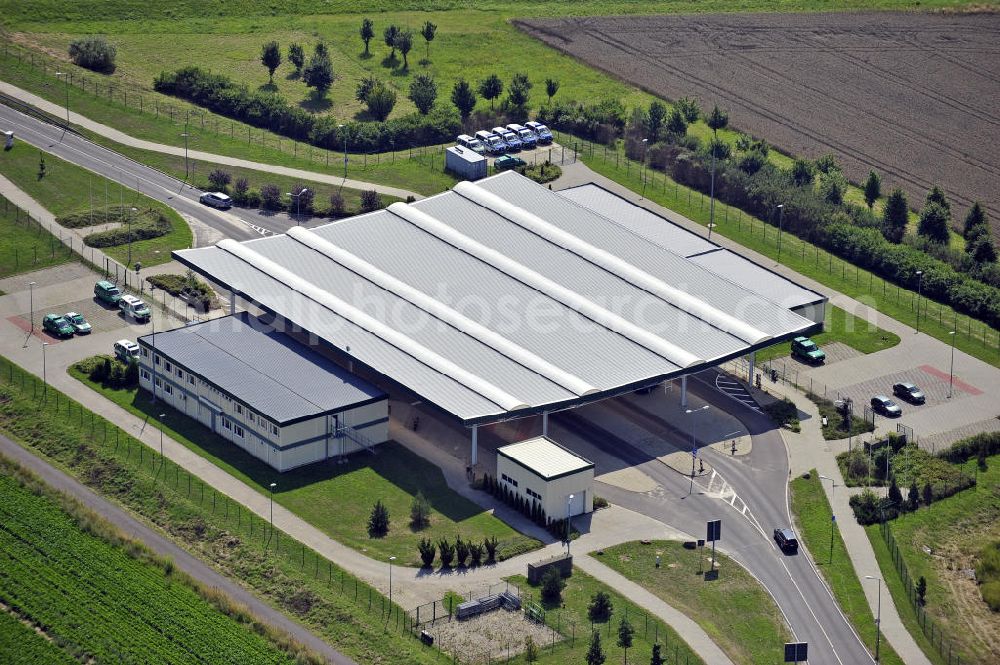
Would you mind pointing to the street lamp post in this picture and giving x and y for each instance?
(833, 517)
(569, 502)
(65, 77)
(345, 151)
(161, 417)
(878, 616)
(694, 444)
(645, 144)
(920, 275)
(31, 301)
(951, 370)
(187, 171)
(298, 202)
(711, 198)
(45, 381)
(133, 209)
(391, 559)
(271, 506)
(781, 219)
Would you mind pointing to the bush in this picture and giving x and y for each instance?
(600, 608)
(988, 574)
(220, 179)
(782, 412)
(270, 197)
(476, 554)
(600, 502)
(240, 190)
(93, 53)
(378, 521)
(427, 552)
(552, 585)
(447, 551)
(196, 291)
(966, 449)
(110, 372)
(491, 549)
(420, 511)
(371, 201)
(543, 173)
(461, 551)
(337, 206)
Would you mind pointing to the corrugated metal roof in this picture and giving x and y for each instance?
(669, 235)
(485, 315)
(545, 457)
(263, 368)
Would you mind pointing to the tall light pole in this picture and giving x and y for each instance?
(833, 517)
(878, 616)
(161, 417)
(345, 151)
(645, 144)
(569, 503)
(711, 199)
(132, 210)
(65, 77)
(187, 171)
(271, 506)
(298, 202)
(45, 381)
(781, 219)
(694, 444)
(31, 301)
(951, 370)
(391, 559)
(920, 275)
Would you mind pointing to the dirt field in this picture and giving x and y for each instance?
(914, 96)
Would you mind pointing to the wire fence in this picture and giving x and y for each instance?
(934, 632)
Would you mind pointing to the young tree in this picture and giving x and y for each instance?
(296, 56)
(676, 125)
(270, 197)
(922, 590)
(371, 201)
(404, 42)
(461, 551)
(490, 88)
(895, 216)
(600, 608)
(381, 100)
(220, 179)
(240, 189)
(420, 511)
(937, 196)
(518, 93)
(447, 551)
(367, 32)
(318, 74)
(463, 98)
(378, 521)
(895, 496)
(873, 188)
(974, 219)
(625, 635)
(912, 496)
(595, 653)
(337, 205)
(803, 172)
(427, 552)
(475, 554)
(927, 495)
(491, 544)
(551, 88)
(654, 118)
(365, 86)
(428, 32)
(270, 57)
(716, 120)
(832, 187)
(389, 36)
(689, 109)
(552, 585)
(530, 650)
(826, 163)
(933, 223)
(656, 658)
(423, 92)
(981, 248)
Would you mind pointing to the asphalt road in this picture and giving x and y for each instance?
(164, 547)
(760, 479)
(237, 223)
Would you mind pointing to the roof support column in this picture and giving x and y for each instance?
(545, 423)
(751, 359)
(232, 303)
(475, 445)
(684, 390)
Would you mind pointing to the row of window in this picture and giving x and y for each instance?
(507, 479)
(533, 494)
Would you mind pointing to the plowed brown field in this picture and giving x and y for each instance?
(915, 96)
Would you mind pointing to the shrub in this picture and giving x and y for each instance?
(966, 449)
(427, 552)
(240, 189)
(868, 507)
(988, 575)
(543, 173)
(600, 502)
(380, 101)
(337, 206)
(420, 511)
(530, 650)
(270, 197)
(220, 179)
(423, 92)
(782, 412)
(461, 551)
(371, 201)
(600, 608)
(491, 549)
(476, 553)
(93, 53)
(552, 585)
(302, 202)
(447, 551)
(378, 521)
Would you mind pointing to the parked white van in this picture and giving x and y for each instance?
(475, 145)
(493, 143)
(134, 307)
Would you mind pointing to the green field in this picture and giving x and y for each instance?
(954, 530)
(812, 517)
(108, 601)
(26, 245)
(66, 189)
(570, 619)
(351, 615)
(735, 610)
(840, 326)
(21, 644)
(317, 492)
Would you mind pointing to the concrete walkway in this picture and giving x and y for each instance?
(125, 139)
(809, 450)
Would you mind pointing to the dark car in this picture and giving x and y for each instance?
(786, 540)
(508, 162)
(885, 406)
(909, 392)
(57, 325)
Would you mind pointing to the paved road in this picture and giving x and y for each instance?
(238, 223)
(809, 609)
(166, 548)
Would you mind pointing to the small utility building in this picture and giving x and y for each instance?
(255, 386)
(540, 469)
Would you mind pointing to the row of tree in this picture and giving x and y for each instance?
(270, 197)
(459, 552)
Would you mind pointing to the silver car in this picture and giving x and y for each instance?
(216, 200)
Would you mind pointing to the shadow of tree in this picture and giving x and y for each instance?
(390, 61)
(316, 104)
(268, 87)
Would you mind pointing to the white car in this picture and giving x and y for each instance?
(216, 200)
(126, 350)
(134, 307)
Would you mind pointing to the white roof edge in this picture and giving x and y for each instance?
(613, 264)
(443, 312)
(573, 300)
(421, 353)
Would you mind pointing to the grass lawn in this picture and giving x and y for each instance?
(338, 499)
(348, 613)
(954, 530)
(735, 610)
(66, 188)
(840, 326)
(812, 517)
(974, 337)
(26, 245)
(570, 619)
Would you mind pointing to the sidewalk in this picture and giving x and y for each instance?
(809, 450)
(120, 137)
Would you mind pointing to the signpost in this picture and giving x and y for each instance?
(796, 652)
(713, 533)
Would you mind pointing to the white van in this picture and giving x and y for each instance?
(493, 143)
(475, 145)
(134, 307)
(540, 130)
(528, 137)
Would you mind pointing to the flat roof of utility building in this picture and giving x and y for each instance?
(545, 458)
(499, 299)
(264, 368)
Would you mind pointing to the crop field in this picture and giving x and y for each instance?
(910, 95)
(102, 604)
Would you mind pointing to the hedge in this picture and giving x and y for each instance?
(269, 110)
(140, 230)
(966, 449)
